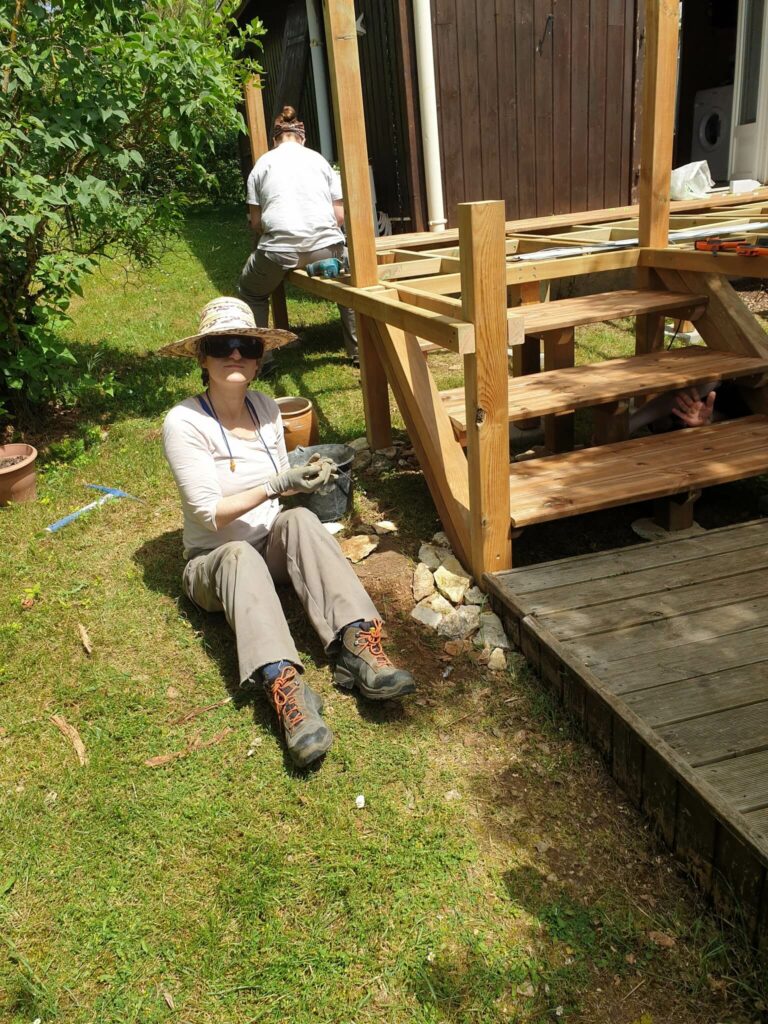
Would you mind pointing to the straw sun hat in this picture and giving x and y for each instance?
(227, 315)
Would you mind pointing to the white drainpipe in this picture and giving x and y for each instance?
(317, 49)
(430, 137)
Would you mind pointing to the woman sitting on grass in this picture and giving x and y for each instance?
(227, 454)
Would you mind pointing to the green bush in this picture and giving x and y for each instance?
(112, 117)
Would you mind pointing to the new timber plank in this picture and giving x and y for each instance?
(648, 467)
(590, 309)
(579, 387)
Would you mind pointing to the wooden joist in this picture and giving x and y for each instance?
(580, 387)
(592, 309)
(647, 467)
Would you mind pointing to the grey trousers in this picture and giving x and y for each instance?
(239, 580)
(261, 275)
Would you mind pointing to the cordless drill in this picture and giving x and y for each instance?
(328, 268)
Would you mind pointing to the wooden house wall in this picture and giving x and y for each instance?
(543, 117)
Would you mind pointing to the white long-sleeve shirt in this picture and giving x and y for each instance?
(200, 462)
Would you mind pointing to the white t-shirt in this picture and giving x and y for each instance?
(200, 463)
(295, 188)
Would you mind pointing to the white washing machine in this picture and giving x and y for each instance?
(712, 129)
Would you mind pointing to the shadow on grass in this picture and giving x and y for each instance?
(220, 242)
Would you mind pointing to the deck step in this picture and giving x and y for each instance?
(579, 387)
(539, 317)
(656, 466)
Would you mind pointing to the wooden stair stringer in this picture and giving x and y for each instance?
(440, 455)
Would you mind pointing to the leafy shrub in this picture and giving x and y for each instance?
(109, 114)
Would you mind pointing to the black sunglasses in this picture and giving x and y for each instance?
(219, 346)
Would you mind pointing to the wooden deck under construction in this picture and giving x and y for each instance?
(661, 652)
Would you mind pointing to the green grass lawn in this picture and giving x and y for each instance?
(495, 873)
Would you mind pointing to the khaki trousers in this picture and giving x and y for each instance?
(239, 580)
(261, 276)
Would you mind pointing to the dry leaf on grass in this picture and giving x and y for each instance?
(196, 712)
(196, 743)
(168, 999)
(85, 640)
(662, 939)
(72, 735)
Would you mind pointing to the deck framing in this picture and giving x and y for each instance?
(443, 291)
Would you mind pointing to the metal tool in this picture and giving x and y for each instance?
(741, 247)
(108, 495)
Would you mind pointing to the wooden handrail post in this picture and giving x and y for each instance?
(484, 302)
(662, 31)
(258, 138)
(349, 116)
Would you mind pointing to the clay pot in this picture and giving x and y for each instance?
(17, 482)
(299, 422)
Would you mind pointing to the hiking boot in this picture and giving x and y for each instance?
(298, 708)
(363, 663)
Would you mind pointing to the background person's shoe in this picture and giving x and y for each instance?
(362, 663)
(298, 708)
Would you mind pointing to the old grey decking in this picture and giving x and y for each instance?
(661, 651)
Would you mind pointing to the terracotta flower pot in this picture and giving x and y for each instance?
(17, 480)
(299, 422)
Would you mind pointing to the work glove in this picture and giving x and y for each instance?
(306, 479)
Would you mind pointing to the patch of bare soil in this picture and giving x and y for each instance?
(754, 294)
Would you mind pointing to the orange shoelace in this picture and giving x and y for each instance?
(284, 691)
(370, 640)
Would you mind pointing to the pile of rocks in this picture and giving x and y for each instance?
(368, 462)
(448, 603)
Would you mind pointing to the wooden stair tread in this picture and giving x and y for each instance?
(656, 466)
(539, 317)
(578, 387)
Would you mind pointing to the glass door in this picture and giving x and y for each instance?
(750, 107)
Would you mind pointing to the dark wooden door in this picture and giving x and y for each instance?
(536, 102)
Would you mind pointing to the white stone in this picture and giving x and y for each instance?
(433, 557)
(360, 444)
(460, 623)
(359, 547)
(441, 540)
(360, 801)
(362, 460)
(474, 596)
(497, 662)
(451, 580)
(431, 611)
(385, 526)
(388, 453)
(423, 582)
(491, 633)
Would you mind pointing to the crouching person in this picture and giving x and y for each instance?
(227, 453)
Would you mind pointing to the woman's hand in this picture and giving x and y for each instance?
(692, 410)
(304, 479)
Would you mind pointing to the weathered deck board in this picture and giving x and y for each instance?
(661, 652)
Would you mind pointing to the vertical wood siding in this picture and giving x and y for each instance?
(539, 116)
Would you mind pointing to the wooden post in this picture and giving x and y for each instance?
(344, 63)
(526, 358)
(258, 137)
(484, 302)
(559, 353)
(659, 92)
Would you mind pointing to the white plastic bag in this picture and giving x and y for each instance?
(691, 181)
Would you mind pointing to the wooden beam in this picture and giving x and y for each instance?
(484, 300)
(727, 264)
(726, 324)
(258, 138)
(659, 90)
(382, 304)
(429, 429)
(559, 353)
(544, 270)
(346, 90)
